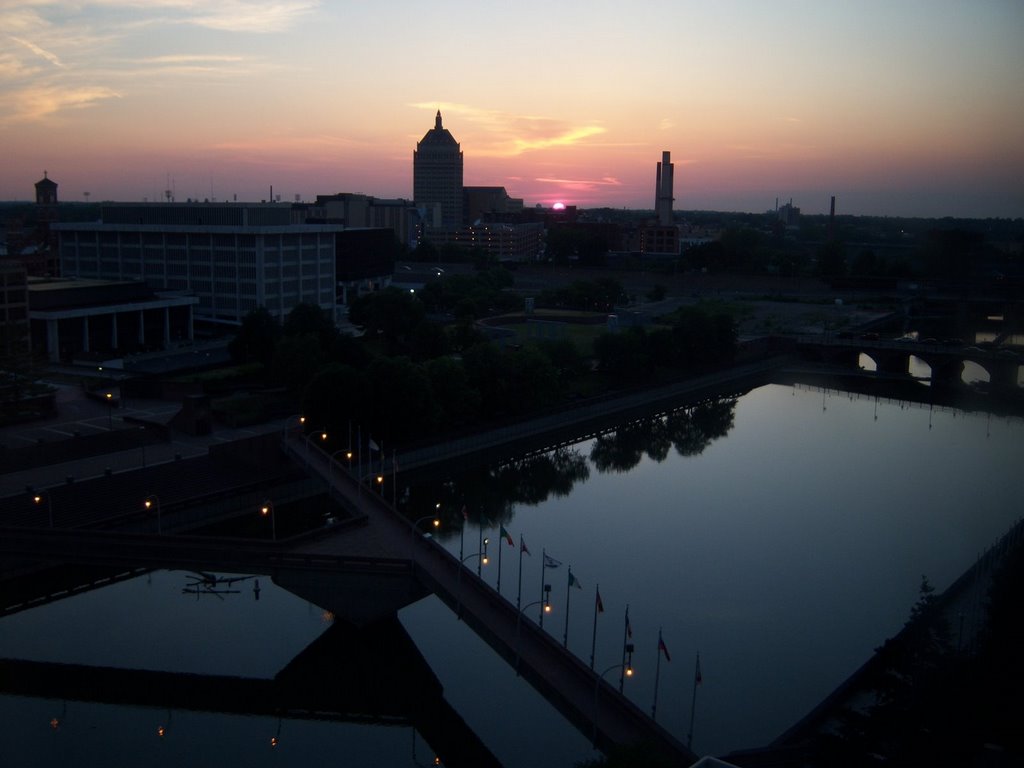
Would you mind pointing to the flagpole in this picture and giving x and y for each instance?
(359, 460)
(543, 566)
(693, 701)
(519, 594)
(394, 479)
(657, 672)
(568, 589)
(500, 542)
(625, 635)
(593, 639)
(480, 548)
(462, 534)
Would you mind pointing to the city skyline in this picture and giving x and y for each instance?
(907, 109)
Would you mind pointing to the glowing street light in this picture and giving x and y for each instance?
(546, 603)
(320, 434)
(267, 510)
(148, 504)
(436, 523)
(627, 671)
(37, 499)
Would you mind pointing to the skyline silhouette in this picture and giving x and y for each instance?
(901, 110)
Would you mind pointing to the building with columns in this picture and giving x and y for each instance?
(76, 319)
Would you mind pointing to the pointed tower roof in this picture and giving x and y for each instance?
(438, 136)
(46, 181)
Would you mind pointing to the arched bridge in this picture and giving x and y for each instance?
(892, 356)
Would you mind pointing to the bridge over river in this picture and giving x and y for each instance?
(365, 572)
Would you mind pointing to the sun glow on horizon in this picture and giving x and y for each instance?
(114, 96)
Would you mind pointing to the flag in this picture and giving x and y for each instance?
(697, 678)
(373, 445)
(522, 546)
(598, 604)
(550, 562)
(629, 627)
(506, 535)
(465, 513)
(663, 649)
(574, 582)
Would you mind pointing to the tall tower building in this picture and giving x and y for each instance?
(663, 191)
(437, 174)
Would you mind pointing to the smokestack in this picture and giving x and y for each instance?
(663, 190)
(832, 219)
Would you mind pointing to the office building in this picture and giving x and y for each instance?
(233, 257)
(437, 177)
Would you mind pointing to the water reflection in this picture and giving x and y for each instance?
(689, 431)
(372, 676)
(489, 495)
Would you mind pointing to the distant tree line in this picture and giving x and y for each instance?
(410, 377)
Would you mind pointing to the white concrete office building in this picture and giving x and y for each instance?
(232, 266)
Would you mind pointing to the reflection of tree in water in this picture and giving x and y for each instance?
(689, 431)
(533, 479)
(490, 495)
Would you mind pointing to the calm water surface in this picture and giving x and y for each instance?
(783, 553)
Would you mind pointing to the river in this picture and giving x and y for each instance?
(786, 542)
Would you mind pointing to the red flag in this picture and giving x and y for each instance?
(465, 514)
(663, 649)
(600, 605)
(522, 545)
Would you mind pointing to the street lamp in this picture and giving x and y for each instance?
(110, 410)
(415, 525)
(148, 504)
(320, 433)
(267, 510)
(462, 561)
(546, 602)
(348, 455)
(627, 669)
(37, 498)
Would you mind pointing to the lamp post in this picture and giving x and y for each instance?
(37, 498)
(320, 434)
(110, 410)
(148, 504)
(546, 603)
(348, 453)
(267, 510)
(627, 671)
(462, 561)
(437, 524)
(295, 417)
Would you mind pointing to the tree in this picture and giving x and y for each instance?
(391, 313)
(457, 402)
(307, 318)
(402, 407)
(256, 339)
(297, 359)
(336, 397)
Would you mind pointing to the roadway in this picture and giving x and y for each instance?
(595, 707)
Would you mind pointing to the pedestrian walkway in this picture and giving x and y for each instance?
(595, 707)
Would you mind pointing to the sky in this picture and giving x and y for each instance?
(896, 107)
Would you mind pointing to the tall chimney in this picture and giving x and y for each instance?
(663, 190)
